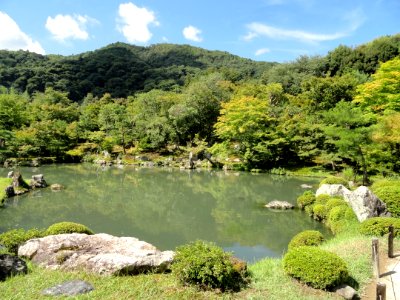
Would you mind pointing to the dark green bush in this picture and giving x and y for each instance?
(390, 194)
(334, 180)
(306, 199)
(379, 226)
(209, 267)
(67, 227)
(306, 238)
(315, 267)
(12, 239)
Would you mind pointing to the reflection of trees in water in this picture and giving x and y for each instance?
(165, 207)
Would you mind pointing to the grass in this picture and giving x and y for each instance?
(4, 182)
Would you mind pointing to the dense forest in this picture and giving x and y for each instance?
(341, 110)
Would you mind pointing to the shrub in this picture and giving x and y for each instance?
(390, 194)
(334, 180)
(319, 212)
(306, 199)
(379, 226)
(12, 239)
(315, 267)
(322, 199)
(306, 238)
(209, 267)
(67, 227)
(335, 201)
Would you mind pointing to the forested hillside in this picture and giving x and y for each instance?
(337, 111)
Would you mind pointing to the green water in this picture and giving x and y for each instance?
(166, 207)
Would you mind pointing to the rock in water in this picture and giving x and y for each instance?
(364, 203)
(279, 205)
(11, 265)
(100, 253)
(69, 288)
(38, 181)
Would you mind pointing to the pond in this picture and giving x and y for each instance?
(166, 207)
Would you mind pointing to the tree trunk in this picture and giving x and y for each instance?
(364, 167)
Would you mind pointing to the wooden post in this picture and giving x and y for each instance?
(380, 291)
(375, 257)
(390, 241)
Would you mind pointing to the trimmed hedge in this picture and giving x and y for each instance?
(12, 239)
(315, 267)
(209, 267)
(306, 238)
(379, 226)
(335, 180)
(306, 199)
(67, 227)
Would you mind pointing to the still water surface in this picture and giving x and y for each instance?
(166, 207)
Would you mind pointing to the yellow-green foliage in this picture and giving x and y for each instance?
(306, 199)
(67, 227)
(306, 238)
(334, 180)
(207, 266)
(12, 239)
(389, 192)
(322, 199)
(319, 212)
(4, 182)
(315, 267)
(335, 201)
(379, 226)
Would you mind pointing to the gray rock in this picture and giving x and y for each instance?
(345, 291)
(38, 181)
(306, 186)
(10, 191)
(11, 265)
(69, 288)
(279, 205)
(56, 187)
(99, 253)
(364, 203)
(10, 174)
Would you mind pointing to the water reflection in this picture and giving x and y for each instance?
(167, 207)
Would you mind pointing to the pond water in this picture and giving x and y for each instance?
(166, 207)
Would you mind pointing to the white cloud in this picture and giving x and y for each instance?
(64, 27)
(12, 38)
(133, 22)
(258, 29)
(262, 51)
(192, 33)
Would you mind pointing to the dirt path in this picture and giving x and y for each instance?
(390, 275)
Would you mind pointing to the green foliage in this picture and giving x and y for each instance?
(67, 227)
(208, 266)
(335, 180)
(306, 238)
(319, 211)
(322, 199)
(335, 201)
(306, 199)
(4, 183)
(315, 267)
(379, 226)
(389, 192)
(12, 239)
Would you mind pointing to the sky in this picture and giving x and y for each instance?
(263, 30)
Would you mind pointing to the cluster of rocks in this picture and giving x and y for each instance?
(20, 186)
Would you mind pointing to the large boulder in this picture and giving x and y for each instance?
(99, 253)
(11, 265)
(364, 203)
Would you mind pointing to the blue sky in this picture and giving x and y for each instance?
(267, 30)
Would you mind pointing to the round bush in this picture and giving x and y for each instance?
(315, 267)
(319, 212)
(306, 199)
(209, 267)
(12, 239)
(322, 199)
(390, 194)
(335, 180)
(379, 226)
(335, 201)
(67, 227)
(306, 238)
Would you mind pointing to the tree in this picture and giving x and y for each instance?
(350, 131)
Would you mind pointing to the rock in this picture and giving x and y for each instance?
(364, 203)
(10, 174)
(10, 191)
(279, 205)
(11, 265)
(345, 291)
(38, 181)
(56, 187)
(69, 288)
(19, 185)
(306, 186)
(99, 253)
